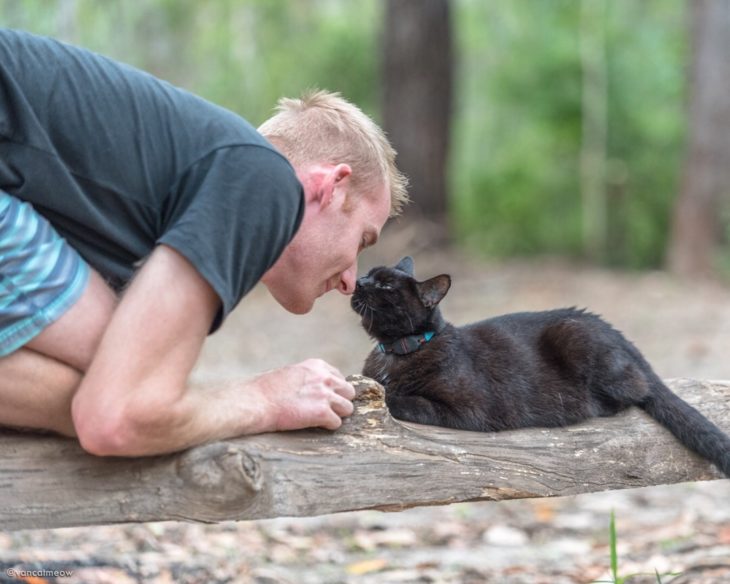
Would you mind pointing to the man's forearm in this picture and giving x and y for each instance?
(152, 424)
(36, 392)
(311, 393)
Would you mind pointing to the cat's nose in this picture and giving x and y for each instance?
(363, 281)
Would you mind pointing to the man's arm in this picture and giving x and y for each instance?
(134, 399)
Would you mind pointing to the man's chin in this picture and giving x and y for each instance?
(299, 308)
(296, 305)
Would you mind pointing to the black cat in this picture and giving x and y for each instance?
(550, 368)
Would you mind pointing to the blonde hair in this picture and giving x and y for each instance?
(323, 127)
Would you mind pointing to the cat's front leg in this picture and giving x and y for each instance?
(418, 409)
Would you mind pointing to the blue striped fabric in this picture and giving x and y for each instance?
(41, 276)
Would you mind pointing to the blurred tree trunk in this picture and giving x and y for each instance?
(697, 229)
(594, 128)
(417, 71)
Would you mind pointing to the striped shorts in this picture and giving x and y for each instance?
(41, 275)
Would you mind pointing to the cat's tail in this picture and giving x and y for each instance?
(688, 425)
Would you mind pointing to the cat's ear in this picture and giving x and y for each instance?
(433, 291)
(406, 265)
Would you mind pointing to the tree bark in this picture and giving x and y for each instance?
(372, 462)
(417, 71)
(697, 223)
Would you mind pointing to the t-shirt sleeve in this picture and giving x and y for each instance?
(231, 214)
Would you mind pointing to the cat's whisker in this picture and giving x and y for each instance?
(372, 316)
(372, 308)
(360, 306)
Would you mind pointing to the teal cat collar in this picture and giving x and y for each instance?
(406, 345)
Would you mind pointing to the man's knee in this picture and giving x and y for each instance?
(36, 392)
(75, 336)
(54, 303)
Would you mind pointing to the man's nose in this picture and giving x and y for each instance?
(348, 280)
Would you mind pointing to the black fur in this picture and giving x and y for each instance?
(551, 368)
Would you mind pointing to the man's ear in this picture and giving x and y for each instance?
(341, 171)
(332, 179)
(433, 291)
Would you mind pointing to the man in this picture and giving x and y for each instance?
(108, 173)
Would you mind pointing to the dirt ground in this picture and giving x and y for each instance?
(682, 327)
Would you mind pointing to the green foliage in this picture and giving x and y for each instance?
(518, 118)
(515, 169)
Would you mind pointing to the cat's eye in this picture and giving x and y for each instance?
(383, 286)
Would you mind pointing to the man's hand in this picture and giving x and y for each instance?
(310, 393)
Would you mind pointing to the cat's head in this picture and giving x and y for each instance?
(393, 304)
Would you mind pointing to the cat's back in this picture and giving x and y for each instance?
(528, 336)
(565, 335)
(530, 325)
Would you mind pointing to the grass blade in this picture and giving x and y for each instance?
(614, 555)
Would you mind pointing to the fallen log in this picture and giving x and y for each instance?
(372, 462)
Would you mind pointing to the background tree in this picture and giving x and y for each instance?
(697, 230)
(417, 95)
(594, 128)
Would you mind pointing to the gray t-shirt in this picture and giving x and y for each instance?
(119, 161)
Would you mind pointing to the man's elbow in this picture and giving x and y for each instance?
(104, 433)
